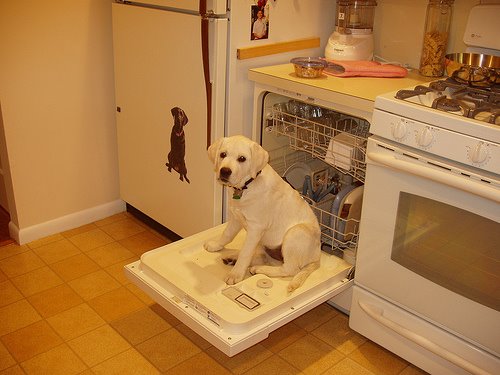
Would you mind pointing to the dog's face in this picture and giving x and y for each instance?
(237, 159)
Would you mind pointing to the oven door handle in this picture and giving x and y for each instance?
(470, 186)
(377, 314)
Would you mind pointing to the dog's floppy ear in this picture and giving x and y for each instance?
(260, 158)
(213, 150)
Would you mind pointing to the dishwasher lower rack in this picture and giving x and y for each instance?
(189, 282)
(339, 229)
(339, 234)
(338, 139)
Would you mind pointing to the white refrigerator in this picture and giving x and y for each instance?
(181, 82)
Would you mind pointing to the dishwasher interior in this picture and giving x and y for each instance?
(321, 153)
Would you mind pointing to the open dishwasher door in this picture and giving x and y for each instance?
(188, 282)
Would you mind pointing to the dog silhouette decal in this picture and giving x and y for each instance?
(178, 144)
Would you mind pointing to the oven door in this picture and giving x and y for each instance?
(430, 240)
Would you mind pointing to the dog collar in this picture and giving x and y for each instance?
(237, 193)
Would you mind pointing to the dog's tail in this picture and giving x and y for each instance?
(301, 276)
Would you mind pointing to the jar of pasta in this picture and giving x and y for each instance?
(437, 27)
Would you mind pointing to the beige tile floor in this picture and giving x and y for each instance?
(67, 308)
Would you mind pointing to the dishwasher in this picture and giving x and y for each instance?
(317, 144)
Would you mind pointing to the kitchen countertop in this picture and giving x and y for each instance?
(354, 95)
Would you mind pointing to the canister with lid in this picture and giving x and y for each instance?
(437, 27)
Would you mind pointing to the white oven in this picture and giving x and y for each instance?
(427, 282)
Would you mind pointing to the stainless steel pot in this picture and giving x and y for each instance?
(473, 69)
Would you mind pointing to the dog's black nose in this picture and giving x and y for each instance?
(224, 173)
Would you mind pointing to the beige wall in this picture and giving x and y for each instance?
(399, 29)
(57, 100)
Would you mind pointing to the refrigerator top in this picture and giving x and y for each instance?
(192, 6)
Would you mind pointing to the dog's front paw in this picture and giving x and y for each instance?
(234, 277)
(212, 246)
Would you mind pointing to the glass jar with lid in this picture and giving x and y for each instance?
(355, 15)
(437, 27)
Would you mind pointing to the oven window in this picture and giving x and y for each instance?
(449, 246)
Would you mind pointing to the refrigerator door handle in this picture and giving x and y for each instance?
(206, 68)
(203, 7)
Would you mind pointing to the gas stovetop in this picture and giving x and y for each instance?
(444, 118)
(479, 103)
(444, 104)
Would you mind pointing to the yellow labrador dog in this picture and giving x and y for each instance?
(283, 234)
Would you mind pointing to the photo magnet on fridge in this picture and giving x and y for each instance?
(259, 21)
(178, 144)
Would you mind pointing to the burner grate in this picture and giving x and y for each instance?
(447, 104)
(448, 95)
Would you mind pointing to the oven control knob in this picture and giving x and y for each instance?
(479, 153)
(400, 130)
(425, 137)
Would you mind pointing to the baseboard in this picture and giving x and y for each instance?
(153, 223)
(63, 223)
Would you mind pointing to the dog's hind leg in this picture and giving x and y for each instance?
(302, 275)
(272, 267)
(299, 275)
(261, 257)
(301, 253)
(282, 270)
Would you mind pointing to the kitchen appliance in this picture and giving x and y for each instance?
(300, 121)
(188, 281)
(180, 79)
(479, 36)
(480, 65)
(295, 122)
(427, 273)
(352, 38)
